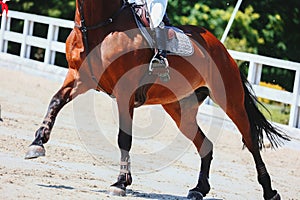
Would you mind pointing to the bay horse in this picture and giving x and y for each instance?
(106, 52)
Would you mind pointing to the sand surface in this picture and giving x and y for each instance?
(82, 157)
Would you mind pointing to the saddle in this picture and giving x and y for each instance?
(178, 42)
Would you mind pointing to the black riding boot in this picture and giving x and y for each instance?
(161, 42)
(159, 63)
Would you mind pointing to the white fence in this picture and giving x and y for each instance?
(256, 64)
(27, 40)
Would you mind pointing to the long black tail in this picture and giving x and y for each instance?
(258, 122)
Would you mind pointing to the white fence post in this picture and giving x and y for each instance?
(49, 40)
(254, 72)
(55, 37)
(30, 32)
(25, 33)
(6, 28)
(3, 27)
(294, 113)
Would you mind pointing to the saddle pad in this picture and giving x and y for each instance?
(181, 44)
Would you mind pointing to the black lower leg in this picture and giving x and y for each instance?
(42, 135)
(203, 185)
(264, 177)
(124, 142)
(161, 40)
(265, 181)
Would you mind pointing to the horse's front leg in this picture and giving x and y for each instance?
(68, 91)
(42, 135)
(125, 107)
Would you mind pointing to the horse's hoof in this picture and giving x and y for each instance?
(276, 197)
(116, 191)
(195, 195)
(35, 151)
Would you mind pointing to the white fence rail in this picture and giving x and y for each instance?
(51, 45)
(256, 64)
(26, 38)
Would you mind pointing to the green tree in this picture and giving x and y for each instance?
(242, 34)
(277, 27)
(55, 8)
(285, 42)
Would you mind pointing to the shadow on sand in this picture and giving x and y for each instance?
(131, 193)
(57, 186)
(140, 194)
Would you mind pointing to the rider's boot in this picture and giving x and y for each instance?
(159, 61)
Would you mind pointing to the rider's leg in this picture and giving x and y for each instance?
(161, 44)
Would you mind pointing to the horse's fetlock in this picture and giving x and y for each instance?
(125, 178)
(204, 186)
(272, 195)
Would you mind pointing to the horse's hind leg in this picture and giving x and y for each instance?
(240, 107)
(70, 89)
(184, 114)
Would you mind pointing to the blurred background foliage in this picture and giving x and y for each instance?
(265, 27)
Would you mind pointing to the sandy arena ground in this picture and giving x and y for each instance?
(82, 158)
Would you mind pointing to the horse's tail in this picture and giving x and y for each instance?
(258, 122)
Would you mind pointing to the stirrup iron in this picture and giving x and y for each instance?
(159, 67)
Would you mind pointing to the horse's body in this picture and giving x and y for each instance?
(118, 57)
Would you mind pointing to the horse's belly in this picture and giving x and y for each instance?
(160, 94)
